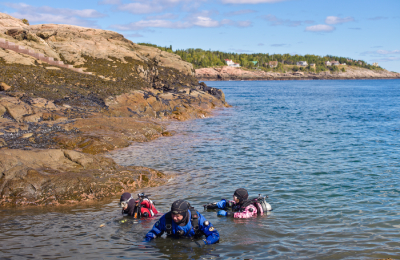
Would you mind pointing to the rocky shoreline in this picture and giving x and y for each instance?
(55, 123)
(227, 73)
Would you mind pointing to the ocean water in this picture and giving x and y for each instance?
(325, 152)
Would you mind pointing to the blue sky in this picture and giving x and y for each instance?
(359, 29)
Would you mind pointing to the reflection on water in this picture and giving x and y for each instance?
(326, 153)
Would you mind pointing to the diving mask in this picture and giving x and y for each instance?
(124, 203)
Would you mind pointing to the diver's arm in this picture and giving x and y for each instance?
(212, 235)
(157, 230)
(217, 205)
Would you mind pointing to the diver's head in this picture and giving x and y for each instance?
(240, 195)
(179, 211)
(125, 199)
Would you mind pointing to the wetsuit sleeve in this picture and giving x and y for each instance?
(157, 230)
(212, 235)
(222, 204)
(248, 212)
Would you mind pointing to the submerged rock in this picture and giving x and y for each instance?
(55, 176)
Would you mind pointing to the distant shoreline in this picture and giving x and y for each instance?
(291, 78)
(227, 73)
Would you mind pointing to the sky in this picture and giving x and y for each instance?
(368, 30)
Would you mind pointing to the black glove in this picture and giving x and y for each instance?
(211, 206)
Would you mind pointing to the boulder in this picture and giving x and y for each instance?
(4, 86)
(16, 108)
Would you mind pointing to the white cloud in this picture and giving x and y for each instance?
(162, 16)
(250, 1)
(133, 35)
(380, 52)
(154, 6)
(207, 22)
(192, 21)
(275, 21)
(280, 45)
(320, 28)
(241, 50)
(388, 59)
(243, 23)
(57, 19)
(110, 2)
(240, 12)
(29, 9)
(338, 20)
(150, 23)
(46, 14)
(139, 8)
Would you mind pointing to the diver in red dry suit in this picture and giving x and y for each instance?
(138, 208)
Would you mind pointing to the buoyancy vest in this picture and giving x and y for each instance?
(194, 221)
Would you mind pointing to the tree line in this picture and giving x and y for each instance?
(206, 58)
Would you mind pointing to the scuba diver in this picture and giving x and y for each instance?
(183, 221)
(138, 208)
(241, 206)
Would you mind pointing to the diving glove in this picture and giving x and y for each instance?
(211, 206)
(225, 213)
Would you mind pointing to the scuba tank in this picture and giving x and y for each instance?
(138, 206)
(264, 204)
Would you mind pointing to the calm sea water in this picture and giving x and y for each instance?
(326, 152)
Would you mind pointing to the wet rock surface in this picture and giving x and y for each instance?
(55, 176)
(55, 122)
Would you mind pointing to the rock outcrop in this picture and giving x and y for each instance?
(55, 120)
(73, 43)
(231, 73)
(54, 176)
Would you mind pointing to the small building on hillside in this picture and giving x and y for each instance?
(312, 64)
(328, 63)
(334, 62)
(360, 62)
(302, 63)
(344, 64)
(230, 63)
(375, 64)
(272, 64)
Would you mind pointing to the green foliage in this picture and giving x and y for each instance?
(25, 21)
(206, 58)
(343, 69)
(334, 68)
(167, 49)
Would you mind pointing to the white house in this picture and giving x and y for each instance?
(328, 63)
(375, 64)
(336, 63)
(230, 63)
(302, 63)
